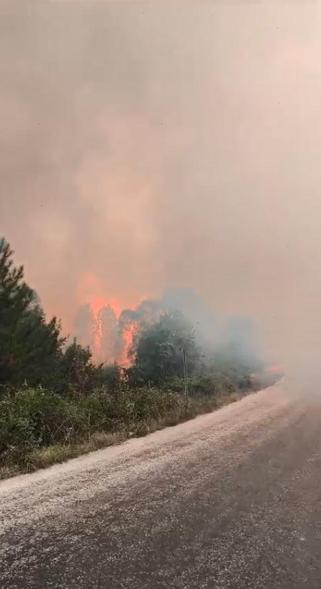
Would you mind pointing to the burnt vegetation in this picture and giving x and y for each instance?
(55, 402)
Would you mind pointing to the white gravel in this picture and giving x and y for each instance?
(26, 498)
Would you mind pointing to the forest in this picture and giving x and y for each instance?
(57, 402)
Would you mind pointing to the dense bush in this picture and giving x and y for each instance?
(35, 418)
(31, 418)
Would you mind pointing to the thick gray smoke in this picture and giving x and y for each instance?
(105, 333)
(154, 143)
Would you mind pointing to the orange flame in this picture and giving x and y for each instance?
(97, 304)
(91, 292)
(128, 338)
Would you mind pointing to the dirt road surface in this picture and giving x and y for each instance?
(231, 499)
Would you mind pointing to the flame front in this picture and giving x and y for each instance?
(98, 324)
(111, 343)
(128, 338)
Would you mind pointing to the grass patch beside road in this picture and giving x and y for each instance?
(39, 428)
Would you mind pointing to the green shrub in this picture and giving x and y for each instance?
(38, 427)
(32, 418)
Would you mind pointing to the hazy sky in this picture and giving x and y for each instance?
(162, 143)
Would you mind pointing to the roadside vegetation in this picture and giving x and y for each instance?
(56, 403)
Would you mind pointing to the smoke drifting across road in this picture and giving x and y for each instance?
(155, 144)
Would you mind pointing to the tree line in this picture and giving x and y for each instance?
(53, 397)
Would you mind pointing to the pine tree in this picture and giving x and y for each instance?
(30, 348)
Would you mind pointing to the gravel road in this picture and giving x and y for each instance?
(231, 499)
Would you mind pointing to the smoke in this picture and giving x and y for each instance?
(112, 336)
(154, 144)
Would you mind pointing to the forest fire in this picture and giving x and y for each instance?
(99, 323)
(125, 359)
(110, 340)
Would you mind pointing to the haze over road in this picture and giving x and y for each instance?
(230, 499)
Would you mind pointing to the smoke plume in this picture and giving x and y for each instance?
(151, 144)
